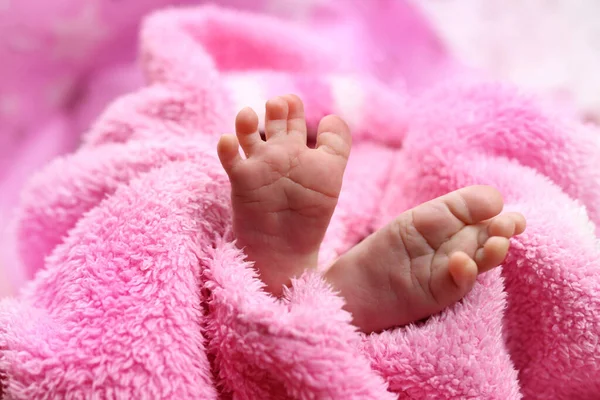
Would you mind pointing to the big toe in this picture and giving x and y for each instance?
(474, 204)
(333, 136)
(438, 220)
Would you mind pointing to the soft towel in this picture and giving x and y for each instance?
(140, 291)
(72, 58)
(55, 56)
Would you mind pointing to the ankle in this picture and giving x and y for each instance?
(277, 269)
(366, 293)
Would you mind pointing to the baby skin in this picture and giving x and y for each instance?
(283, 195)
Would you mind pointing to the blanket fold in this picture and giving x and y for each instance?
(138, 290)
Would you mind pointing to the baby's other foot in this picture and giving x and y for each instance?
(425, 260)
(283, 193)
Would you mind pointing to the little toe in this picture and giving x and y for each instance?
(296, 121)
(246, 128)
(276, 116)
(228, 151)
(492, 253)
(463, 271)
(333, 136)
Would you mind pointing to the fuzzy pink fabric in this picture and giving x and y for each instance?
(62, 61)
(139, 291)
(72, 58)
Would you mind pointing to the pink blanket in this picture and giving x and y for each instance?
(62, 61)
(140, 292)
(71, 58)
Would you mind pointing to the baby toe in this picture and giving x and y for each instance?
(228, 152)
(463, 270)
(474, 204)
(296, 122)
(276, 115)
(333, 136)
(492, 253)
(520, 223)
(507, 225)
(246, 129)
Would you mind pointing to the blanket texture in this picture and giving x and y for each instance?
(62, 61)
(140, 292)
(72, 58)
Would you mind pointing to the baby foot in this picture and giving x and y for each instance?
(283, 193)
(426, 259)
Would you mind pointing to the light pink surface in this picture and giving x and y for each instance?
(143, 294)
(550, 47)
